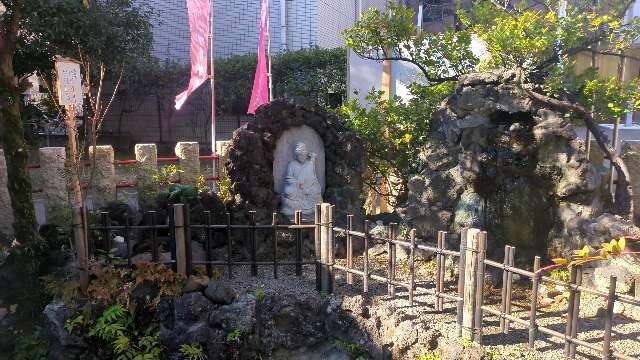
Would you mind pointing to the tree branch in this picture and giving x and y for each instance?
(624, 192)
(423, 69)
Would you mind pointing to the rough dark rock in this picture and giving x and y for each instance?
(250, 163)
(63, 345)
(497, 160)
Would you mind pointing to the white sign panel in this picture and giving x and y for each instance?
(69, 84)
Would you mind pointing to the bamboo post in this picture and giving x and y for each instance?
(207, 244)
(349, 248)
(229, 240)
(274, 225)
(326, 248)
(178, 228)
(576, 311)
(439, 268)
(470, 282)
(608, 320)
(482, 247)
(317, 232)
(443, 268)
(365, 259)
(298, 232)
(507, 322)
(535, 283)
(187, 236)
(391, 290)
(636, 289)
(254, 245)
(461, 278)
(503, 294)
(570, 312)
(126, 238)
(173, 239)
(155, 256)
(412, 272)
(106, 243)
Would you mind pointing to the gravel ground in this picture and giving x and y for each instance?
(626, 332)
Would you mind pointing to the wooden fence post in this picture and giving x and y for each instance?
(608, 320)
(576, 311)
(461, 276)
(365, 260)
(349, 248)
(187, 238)
(470, 236)
(391, 258)
(570, 310)
(178, 228)
(482, 247)
(412, 270)
(535, 283)
(274, 228)
(326, 248)
(318, 251)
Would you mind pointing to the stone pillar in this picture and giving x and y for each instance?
(188, 153)
(147, 156)
(631, 155)
(53, 177)
(104, 174)
(6, 212)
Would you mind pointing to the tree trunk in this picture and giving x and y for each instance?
(15, 147)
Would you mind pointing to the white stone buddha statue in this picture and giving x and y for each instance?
(302, 190)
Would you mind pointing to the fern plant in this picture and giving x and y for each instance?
(192, 352)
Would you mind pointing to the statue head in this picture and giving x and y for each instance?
(300, 152)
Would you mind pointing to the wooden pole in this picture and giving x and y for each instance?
(535, 283)
(503, 294)
(570, 313)
(207, 244)
(298, 244)
(274, 224)
(365, 259)
(470, 283)
(608, 320)
(318, 251)
(73, 163)
(229, 241)
(507, 322)
(254, 245)
(178, 226)
(326, 248)
(576, 311)
(391, 290)
(349, 248)
(482, 247)
(461, 280)
(439, 269)
(155, 256)
(412, 270)
(187, 238)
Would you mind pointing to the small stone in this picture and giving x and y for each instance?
(546, 302)
(196, 283)
(219, 293)
(618, 308)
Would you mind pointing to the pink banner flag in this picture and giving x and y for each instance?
(199, 21)
(260, 92)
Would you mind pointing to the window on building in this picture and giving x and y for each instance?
(433, 11)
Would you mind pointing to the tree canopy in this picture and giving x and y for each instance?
(540, 43)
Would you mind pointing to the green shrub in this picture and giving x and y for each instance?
(31, 347)
(192, 352)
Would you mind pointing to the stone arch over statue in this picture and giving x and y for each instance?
(267, 144)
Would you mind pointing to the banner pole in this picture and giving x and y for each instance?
(269, 53)
(213, 95)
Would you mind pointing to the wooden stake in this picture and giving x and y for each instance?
(608, 320)
(349, 248)
(535, 282)
(470, 283)
(181, 251)
(412, 270)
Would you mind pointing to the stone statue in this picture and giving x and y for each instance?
(302, 190)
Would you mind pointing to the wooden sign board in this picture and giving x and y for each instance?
(69, 84)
